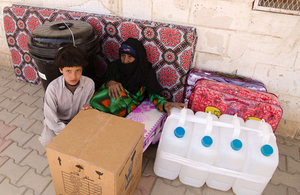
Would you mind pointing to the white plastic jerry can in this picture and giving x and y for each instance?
(262, 159)
(175, 139)
(203, 148)
(232, 152)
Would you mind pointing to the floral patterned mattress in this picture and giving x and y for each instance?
(170, 48)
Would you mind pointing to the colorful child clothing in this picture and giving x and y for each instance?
(124, 104)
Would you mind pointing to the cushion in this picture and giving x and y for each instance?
(153, 119)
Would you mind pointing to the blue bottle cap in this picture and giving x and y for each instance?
(207, 141)
(266, 150)
(236, 144)
(179, 132)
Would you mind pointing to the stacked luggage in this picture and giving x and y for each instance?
(222, 93)
(195, 74)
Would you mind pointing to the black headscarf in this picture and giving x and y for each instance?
(134, 75)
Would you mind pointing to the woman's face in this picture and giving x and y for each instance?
(126, 58)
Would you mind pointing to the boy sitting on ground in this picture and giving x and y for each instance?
(67, 94)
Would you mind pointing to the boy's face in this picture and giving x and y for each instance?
(72, 74)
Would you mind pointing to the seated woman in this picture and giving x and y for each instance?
(128, 81)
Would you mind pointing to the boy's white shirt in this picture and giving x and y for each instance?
(61, 106)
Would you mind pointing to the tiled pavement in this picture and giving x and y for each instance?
(24, 168)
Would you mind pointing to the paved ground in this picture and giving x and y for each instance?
(24, 167)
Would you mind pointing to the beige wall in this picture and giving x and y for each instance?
(232, 37)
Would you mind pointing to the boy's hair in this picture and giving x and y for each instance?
(70, 56)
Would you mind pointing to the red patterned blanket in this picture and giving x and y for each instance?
(225, 98)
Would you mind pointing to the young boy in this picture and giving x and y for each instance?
(67, 94)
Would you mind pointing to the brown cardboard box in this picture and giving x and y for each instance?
(97, 153)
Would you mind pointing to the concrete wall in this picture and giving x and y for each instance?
(232, 38)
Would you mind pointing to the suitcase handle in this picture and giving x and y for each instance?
(237, 100)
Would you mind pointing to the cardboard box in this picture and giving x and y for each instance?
(97, 153)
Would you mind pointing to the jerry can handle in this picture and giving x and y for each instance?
(236, 127)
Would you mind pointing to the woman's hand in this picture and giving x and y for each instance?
(86, 107)
(169, 105)
(114, 89)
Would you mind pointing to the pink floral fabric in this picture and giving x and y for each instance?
(170, 48)
(224, 98)
(195, 74)
(153, 119)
